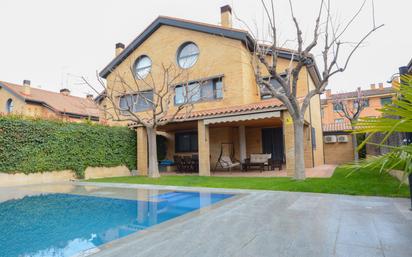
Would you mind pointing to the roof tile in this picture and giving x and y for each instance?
(57, 101)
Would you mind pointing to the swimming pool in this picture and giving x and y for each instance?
(59, 224)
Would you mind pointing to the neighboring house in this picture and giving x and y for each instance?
(237, 112)
(337, 138)
(29, 101)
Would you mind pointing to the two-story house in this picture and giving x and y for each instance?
(230, 108)
(338, 140)
(30, 101)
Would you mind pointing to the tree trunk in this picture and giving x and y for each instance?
(153, 162)
(299, 149)
(355, 147)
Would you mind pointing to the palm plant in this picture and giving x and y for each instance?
(396, 117)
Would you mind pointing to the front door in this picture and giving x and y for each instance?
(272, 142)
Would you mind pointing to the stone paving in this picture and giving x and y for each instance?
(271, 223)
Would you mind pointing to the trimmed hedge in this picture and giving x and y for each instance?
(34, 145)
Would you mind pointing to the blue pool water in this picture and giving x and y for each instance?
(64, 225)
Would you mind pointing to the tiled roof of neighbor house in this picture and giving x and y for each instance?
(365, 93)
(231, 33)
(265, 105)
(334, 127)
(56, 101)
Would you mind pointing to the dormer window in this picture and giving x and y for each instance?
(265, 92)
(187, 55)
(142, 67)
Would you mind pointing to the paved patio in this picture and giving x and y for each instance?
(284, 224)
(322, 171)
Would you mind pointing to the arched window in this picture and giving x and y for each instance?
(187, 55)
(142, 67)
(9, 106)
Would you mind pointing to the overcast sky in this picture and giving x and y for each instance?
(51, 42)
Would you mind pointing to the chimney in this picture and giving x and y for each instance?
(226, 16)
(89, 97)
(373, 86)
(328, 93)
(65, 91)
(380, 86)
(119, 48)
(26, 87)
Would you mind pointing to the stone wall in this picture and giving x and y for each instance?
(18, 179)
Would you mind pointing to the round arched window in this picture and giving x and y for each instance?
(187, 55)
(142, 67)
(9, 106)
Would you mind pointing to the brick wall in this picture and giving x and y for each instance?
(339, 153)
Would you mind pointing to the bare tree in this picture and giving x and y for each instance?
(351, 110)
(148, 102)
(283, 84)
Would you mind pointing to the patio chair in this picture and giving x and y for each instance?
(226, 163)
(179, 163)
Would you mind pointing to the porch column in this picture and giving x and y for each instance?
(142, 161)
(204, 148)
(242, 143)
(289, 143)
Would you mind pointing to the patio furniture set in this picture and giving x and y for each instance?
(186, 164)
(190, 164)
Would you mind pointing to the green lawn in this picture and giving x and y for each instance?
(364, 182)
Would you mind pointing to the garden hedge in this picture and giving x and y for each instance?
(34, 145)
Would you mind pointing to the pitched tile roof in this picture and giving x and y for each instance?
(334, 127)
(56, 101)
(265, 105)
(365, 93)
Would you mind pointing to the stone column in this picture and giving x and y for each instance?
(242, 143)
(142, 161)
(204, 148)
(289, 140)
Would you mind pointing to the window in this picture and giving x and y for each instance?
(136, 103)
(199, 91)
(339, 120)
(265, 93)
(142, 67)
(386, 100)
(187, 55)
(186, 142)
(337, 107)
(9, 106)
(365, 103)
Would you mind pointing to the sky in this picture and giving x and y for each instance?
(52, 43)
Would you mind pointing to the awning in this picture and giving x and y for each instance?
(243, 117)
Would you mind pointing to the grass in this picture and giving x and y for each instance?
(364, 182)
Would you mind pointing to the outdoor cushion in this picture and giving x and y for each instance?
(226, 162)
(260, 158)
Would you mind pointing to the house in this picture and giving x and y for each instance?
(237, 114)
(338, 140)
(29, 101)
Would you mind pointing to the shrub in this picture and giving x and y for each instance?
(33, 145)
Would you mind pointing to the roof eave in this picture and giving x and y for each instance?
(233, 34)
